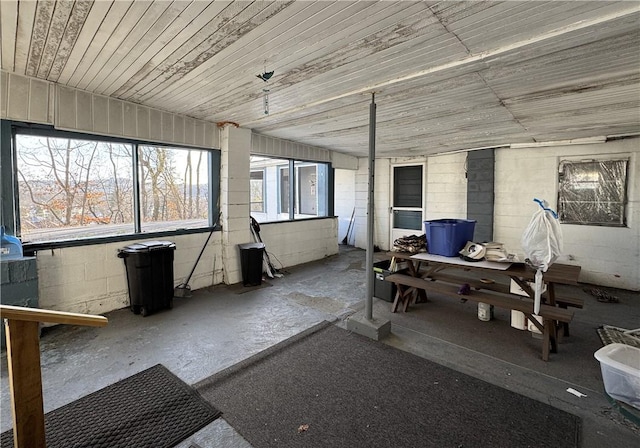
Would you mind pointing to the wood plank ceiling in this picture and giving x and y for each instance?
(447, 75)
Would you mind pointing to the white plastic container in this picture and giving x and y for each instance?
(485, 311)
(620, 366)
(518, 320)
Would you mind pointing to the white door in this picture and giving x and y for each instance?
(407, 200)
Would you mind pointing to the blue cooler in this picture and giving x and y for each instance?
(447, 237)
(10, 246)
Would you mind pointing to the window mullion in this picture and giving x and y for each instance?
(213, 159)
(292, 189)
(137, 200)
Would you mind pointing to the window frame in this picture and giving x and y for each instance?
(8, 169)
(561, 201)
(263, 191)
(291, 166)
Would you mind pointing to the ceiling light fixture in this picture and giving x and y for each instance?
(266, 76)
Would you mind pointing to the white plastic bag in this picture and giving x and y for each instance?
(542, 244)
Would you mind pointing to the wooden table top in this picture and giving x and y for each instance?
(565, 274)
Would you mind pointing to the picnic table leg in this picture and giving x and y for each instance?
(396, 301)
(545, 341)
(408, 298)
(549, 339)
(551, 291)
(422, 296)
(553, 329)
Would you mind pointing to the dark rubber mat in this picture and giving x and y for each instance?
(331, 388)
(609, 334)
(153, 408)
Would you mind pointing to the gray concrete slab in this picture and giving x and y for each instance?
(219, 326)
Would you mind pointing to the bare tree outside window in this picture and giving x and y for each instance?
(174, 186)
(72, 184)
(72, 188)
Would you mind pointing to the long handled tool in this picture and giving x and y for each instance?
(255, 229)
(183, 289)
(345, 240)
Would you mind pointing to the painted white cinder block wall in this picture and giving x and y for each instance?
(345, 198)
(295, 242)
(609, 256)
(381, 208)
(446, 187)
(92, 279)
(235, 145)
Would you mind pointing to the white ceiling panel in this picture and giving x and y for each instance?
(447, 75)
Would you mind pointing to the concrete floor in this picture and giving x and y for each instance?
(219, 326)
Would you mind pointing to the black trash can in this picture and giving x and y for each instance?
(149, 267)
(251, 255)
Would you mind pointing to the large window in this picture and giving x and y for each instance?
(593, 192)
(73, 188)
(292, 189)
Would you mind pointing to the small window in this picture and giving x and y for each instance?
(593, 192)
(288, 189)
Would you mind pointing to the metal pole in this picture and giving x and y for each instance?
(370, 207)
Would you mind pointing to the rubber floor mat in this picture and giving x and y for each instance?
(153, 408)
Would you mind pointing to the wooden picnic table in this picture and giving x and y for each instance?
(444, 276)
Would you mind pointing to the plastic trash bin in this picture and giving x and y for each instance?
(448, 236)
(149, 267)
(383, 289)
(251, 256)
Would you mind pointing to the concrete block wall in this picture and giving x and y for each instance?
(209, 270)
(235, 164)
(361, 194)
(382, 192)
(86, 279)
(93, 280)
(345, 196)
(446, 187)
(609, 256)
(296, 242)
(381, 206)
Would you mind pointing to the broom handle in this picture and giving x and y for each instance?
(198, 259)
(345, 240)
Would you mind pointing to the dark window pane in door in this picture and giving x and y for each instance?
(407, 186)
(406, 219)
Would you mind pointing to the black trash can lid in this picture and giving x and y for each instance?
(148, 246)
(249, 246)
